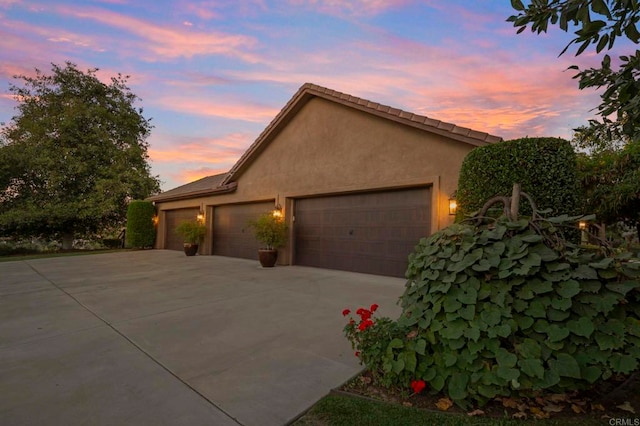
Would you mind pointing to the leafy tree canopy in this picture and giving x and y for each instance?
(598, 24)
(74, 154)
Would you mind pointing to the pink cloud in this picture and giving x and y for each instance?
(222, 152)
(234, 110)
(168, 43)
(350, 8)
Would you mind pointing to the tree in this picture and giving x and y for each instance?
(611, 184)
(73, 156)
(598, 23)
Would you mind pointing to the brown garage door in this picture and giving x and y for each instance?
(367, 232)
(173, 218)
(231, 234)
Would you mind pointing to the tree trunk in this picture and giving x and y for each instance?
(67, 240)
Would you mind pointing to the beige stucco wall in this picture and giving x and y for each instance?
(329, 148)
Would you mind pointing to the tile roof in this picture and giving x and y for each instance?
(308, 90)
(205, 186)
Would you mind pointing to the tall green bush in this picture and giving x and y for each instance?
(544, 167)
(141, 231)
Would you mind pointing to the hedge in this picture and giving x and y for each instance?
(544, 167)
(141, 231)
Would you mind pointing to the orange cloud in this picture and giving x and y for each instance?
(189, 175)
(164, 42)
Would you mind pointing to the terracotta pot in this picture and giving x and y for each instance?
(190, 249)
(267, 258)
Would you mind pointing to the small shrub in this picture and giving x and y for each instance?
(270, 230)
(192, 231)
(141, 231)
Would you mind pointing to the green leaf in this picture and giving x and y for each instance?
(437, 383)
(449, 359)
(517, 5)
(398, 366)
(623, 363)
(536, 309)
(507, 373)
(581, 327)
(561, 304)
(458, 386)
(606, 341)
(584, 272)
(472, 333)
(557, 333)
(529, 348)
(506, 358)
(591, 373)
(491, 315)
(532, 367)
(623, 287)
(568, 288)
(468, 312)
(565, 366)
(468, 295)
(421, 346)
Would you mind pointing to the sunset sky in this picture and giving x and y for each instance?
(213, 73)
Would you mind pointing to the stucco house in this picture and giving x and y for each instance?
(359, 183)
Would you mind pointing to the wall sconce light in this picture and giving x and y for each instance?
(200, 217)
(156, 220)
(582, 224)
(453, 206)
(277, 211)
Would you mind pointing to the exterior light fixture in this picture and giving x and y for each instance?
(453, 204)
(156, 219)
(277, 211)
(582, 224)
(200, 217)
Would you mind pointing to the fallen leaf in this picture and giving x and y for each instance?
(540, 400)
(365, 379)
(444, 404)
(558, 397)
(407, 404)
(509, 402)
(519, 415)
(538, 413)
(577, 409)
(476, 412)
(552, 408)
(627, 407)
(598, 407)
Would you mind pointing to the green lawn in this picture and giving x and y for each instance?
(14, 258)
(339, 410)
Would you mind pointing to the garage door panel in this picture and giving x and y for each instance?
(367, 232)
(172, 219)
(232, 235)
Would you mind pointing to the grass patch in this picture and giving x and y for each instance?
(341, 410)
(18, 258)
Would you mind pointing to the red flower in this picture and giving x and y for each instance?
(351, 321)
(374, 307)
(364, 314)
(346, 312)
(357, 353)
(364, 324)
(418, 385)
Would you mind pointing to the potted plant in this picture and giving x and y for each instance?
(192, 232)
(272, 232)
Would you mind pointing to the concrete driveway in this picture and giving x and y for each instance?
(158, 338)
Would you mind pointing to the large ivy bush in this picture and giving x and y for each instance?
(546, 169)
(511, 308)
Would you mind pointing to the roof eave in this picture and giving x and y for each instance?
(223, 189)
